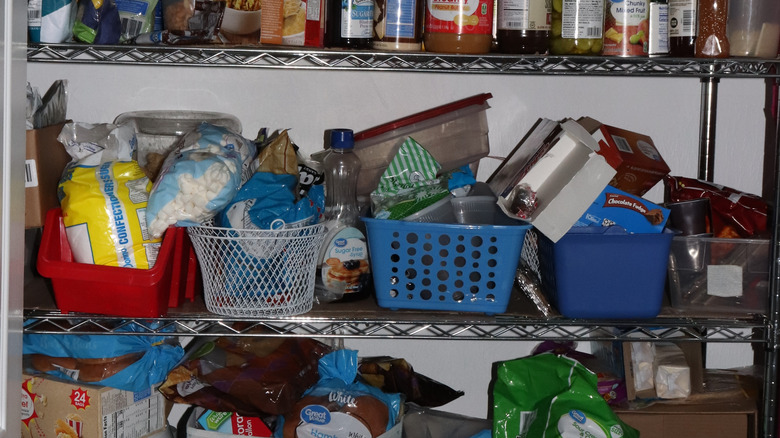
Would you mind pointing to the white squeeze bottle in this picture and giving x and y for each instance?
(344, 273)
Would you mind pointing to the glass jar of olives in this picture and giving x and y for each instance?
(576, 27)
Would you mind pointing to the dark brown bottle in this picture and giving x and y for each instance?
(523, 26)
(350, 23)
(682, 28)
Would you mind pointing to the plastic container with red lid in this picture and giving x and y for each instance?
(455, 134)
(110, 290)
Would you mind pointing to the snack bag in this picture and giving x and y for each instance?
(198, 178)
(339, 406)
(735, 214)
(270, 199)
(409, 184)
(103, 194)
(551, 396)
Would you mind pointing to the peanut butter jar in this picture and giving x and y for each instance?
(458, 26)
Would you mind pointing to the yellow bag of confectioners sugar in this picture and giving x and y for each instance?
(104, 212)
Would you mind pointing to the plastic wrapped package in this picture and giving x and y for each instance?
(103, 194)
(97, 22)
(551, 396)
(253, 376)
(671, 371)
(339, 404)
(198, 178)
(125, 361)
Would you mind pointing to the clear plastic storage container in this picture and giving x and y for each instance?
(158, 130)
(754, 28)
(715, 275)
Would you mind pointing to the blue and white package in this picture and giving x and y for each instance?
(157, 356)
(199, 178)
(616, 207)
(267, 202)
(334, 405)
(51, 21)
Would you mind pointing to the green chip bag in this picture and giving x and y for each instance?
(551, 396)
(409, 184)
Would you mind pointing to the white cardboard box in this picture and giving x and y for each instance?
(564, 171)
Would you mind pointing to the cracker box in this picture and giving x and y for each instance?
(634, 156)
(53, 408)
(293, 23)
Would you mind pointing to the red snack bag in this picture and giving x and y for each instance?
(734, 214)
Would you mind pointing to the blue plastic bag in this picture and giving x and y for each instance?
(153, 357)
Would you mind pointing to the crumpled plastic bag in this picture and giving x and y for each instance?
(270, 199)
(129, 362)
(253, 376)
(551, 396)
(198, 178)
(397, 375)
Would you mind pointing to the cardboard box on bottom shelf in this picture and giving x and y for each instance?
(45, 159)
(56, 409)
(735, 418)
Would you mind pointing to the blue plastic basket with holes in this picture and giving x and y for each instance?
(429, 266)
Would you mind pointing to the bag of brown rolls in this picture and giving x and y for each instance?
(339, 404)
(252, 376)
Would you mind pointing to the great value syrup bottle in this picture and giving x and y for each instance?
(344, 273)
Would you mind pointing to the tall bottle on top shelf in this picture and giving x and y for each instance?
(523, 26)
(344, 273)
(712, 34)
(350, 23)
(682, 28)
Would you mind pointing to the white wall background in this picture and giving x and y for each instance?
(309, 102)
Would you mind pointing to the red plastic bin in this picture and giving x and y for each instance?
(110, 290)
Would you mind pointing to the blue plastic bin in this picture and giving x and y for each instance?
(431, 266)
(605, 273)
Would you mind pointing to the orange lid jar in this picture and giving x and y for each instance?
(458, 26)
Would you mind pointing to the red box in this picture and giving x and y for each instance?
(638, 163)
(110, 290)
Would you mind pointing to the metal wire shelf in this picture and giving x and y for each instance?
(392, 325)
(305, 58)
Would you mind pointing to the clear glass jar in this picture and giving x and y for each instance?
(577, 27)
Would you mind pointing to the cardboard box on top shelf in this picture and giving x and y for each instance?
(559, 164)
(45, 159)
(293, 23)
(53, 408)
(634, 156)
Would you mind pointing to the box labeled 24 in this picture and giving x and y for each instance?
(52, 408)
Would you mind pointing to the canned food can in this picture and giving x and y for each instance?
(626, 27)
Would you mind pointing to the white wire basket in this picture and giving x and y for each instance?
(258, 273)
